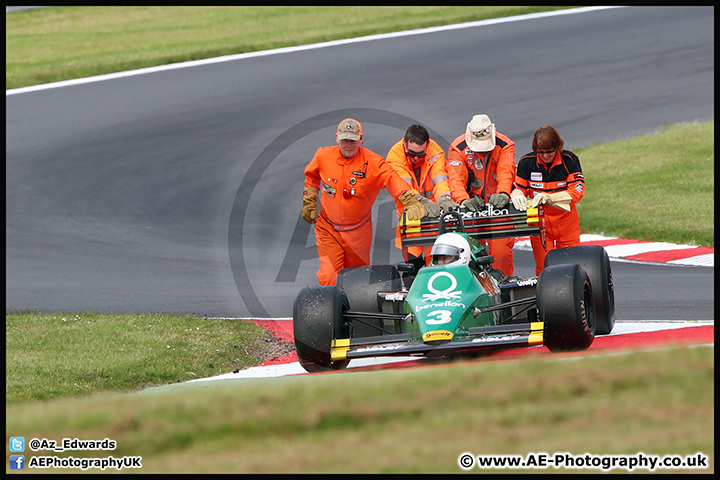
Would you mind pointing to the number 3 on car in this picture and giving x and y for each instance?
(442, 317)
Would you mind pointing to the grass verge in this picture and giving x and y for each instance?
(50, 356)
(405, 421)
(657, 187)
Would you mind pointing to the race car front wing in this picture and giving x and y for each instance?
(477, 339)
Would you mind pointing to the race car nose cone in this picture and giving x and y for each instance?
(437, 336)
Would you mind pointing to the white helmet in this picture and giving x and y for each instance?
(450, 249)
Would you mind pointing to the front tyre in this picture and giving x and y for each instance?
(566, 308)
(317, 321)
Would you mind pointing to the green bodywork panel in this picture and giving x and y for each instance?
(444, 297)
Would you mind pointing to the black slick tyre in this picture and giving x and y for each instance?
(317, 321)
(565, 305)
(596, 262)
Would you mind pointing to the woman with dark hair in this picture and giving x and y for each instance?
(550, 175)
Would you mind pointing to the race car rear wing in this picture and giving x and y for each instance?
(485, 224)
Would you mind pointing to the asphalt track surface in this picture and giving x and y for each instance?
(178, 190)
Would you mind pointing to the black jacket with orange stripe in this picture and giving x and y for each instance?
(563, 174)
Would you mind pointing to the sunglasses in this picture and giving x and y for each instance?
(547, 152)
(410, 153)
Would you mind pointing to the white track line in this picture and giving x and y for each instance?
(243, 56)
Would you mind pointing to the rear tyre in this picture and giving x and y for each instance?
(594, 259)
(317, 321)
(361, 285)
(565, 305)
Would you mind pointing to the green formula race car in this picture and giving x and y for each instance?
(458, 304)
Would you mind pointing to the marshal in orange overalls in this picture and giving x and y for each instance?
(484, 174)
(429, 178)
(348, 189)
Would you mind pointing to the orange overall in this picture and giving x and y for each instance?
(429, 177)
(564, 173)
(348, 189)
(484, 174)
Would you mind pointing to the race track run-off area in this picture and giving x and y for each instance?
(625, 335)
